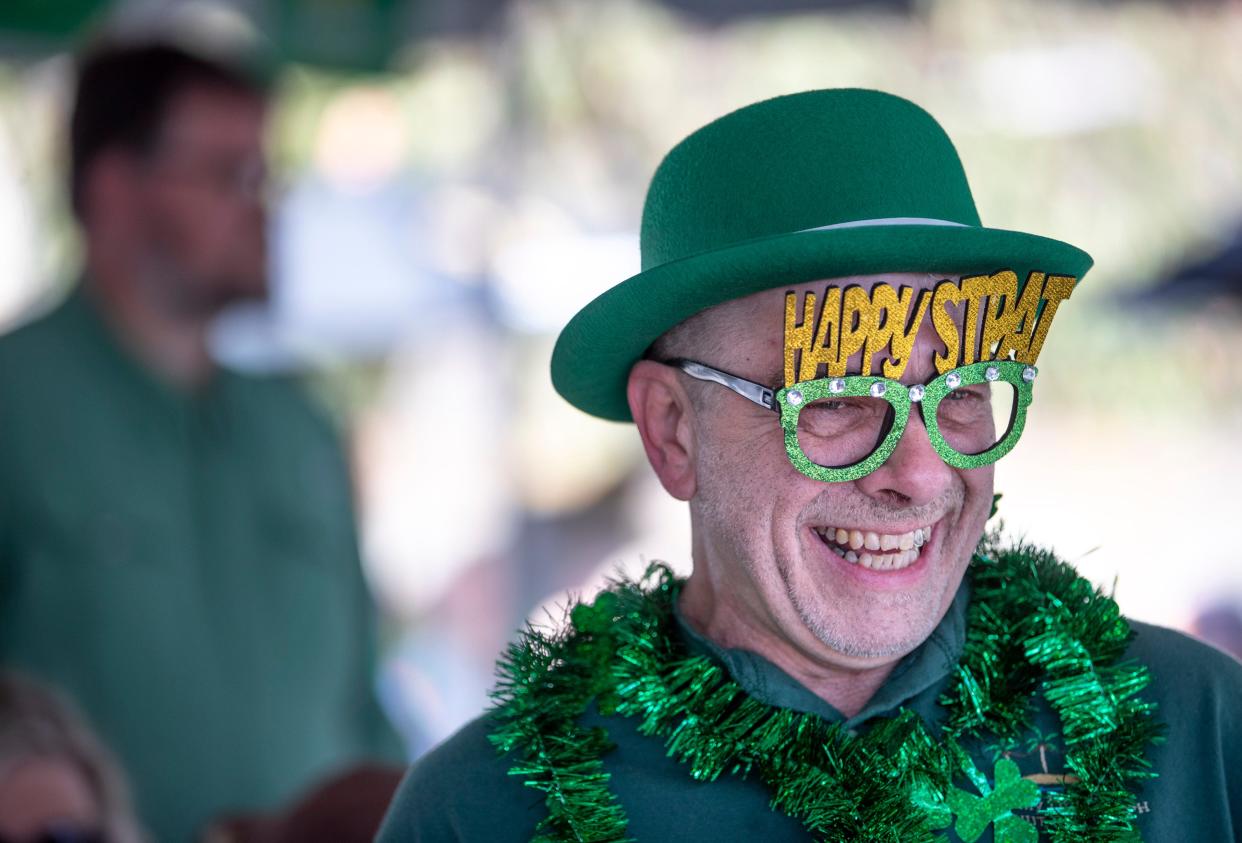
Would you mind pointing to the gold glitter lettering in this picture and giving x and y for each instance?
(827, 336)
(798, 334)
(947, 293)
(1056, 290)
(903, 340)
(1020, 320)
(884, 301)
(1001, 316)
(975, 289)
(982, 317)
(857, 322)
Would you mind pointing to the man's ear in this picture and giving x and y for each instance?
(662, 410)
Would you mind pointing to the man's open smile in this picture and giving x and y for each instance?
(877, 551)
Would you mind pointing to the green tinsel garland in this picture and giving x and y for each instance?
(1034, 627)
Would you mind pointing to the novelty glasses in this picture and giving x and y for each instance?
(839, 429)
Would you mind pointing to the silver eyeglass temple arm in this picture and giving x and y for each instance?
(751, 391)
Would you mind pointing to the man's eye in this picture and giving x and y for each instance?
(847, 406)
(965, 394)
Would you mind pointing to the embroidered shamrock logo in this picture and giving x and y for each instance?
(995, 805)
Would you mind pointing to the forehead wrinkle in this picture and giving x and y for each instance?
(896, 280)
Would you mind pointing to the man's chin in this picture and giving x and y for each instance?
(872, 651)
(871, 628)
(867, 640)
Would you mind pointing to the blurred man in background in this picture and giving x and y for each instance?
(177, 544)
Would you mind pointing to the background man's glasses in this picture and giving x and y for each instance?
(242, 177)
(840, 429)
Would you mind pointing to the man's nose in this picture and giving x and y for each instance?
(913, 473)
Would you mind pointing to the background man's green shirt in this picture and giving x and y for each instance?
(185, 566)
(461, 791)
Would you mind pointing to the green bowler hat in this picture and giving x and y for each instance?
(816, 185)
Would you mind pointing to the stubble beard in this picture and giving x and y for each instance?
(876, 625)
(882, 625)
(860, 641)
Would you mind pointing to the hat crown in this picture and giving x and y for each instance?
(798, 162)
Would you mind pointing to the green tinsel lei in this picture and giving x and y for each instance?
(1034, 628)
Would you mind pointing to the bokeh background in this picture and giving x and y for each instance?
(457, 178)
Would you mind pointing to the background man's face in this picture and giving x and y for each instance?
(201, 201)
(762, 520)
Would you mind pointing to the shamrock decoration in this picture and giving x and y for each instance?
(974, 813)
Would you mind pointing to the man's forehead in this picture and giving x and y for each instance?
(917, 280)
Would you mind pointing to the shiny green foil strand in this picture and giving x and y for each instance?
(544, 683)
(1034, 626)
(1076, 640)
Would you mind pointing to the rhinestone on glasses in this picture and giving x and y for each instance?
(795, 397)
(1029, 373)
(953, 381)
(916, 392)
(991, 373)
(836, 386)
(878, 389)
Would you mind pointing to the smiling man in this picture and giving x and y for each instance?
(825, 355)
(831, 582)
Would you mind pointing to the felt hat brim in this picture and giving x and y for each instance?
(596, 350)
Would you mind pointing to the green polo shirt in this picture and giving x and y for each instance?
(185, 567)
(461, 791)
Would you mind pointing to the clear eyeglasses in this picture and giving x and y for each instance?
(843, 428)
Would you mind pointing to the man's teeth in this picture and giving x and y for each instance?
(869, 549)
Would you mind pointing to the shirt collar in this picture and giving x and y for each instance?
(89, 327)
(915, 681)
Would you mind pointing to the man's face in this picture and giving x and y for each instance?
(200, 201)
(769, 532)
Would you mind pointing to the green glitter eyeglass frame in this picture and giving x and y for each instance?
(790, 400)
